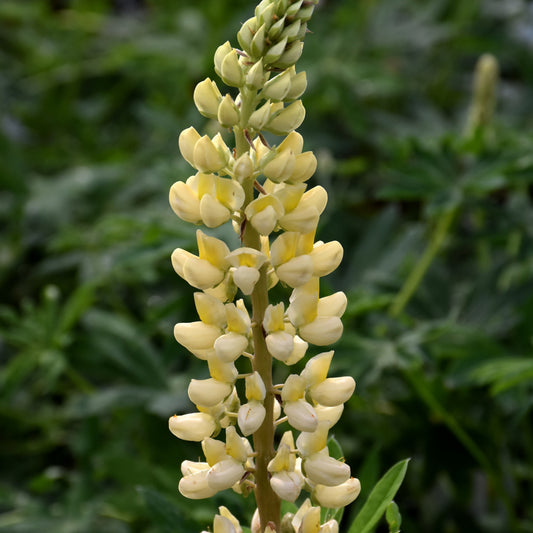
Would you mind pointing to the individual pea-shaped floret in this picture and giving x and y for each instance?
(285, 480)
(209, 268)
(206, 198)
(329, 392)
(245, 263)
(200, 337)
(317, 320)
(337, 496)
(204, 154)
(192, 426)
(225, 522)
(251, 414)
(300, 414)
(229, 346)
(280, 338)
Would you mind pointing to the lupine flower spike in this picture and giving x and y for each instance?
(262, 190)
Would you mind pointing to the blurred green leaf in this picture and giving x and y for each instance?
(379, 499)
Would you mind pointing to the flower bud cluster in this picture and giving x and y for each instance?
(263, 191)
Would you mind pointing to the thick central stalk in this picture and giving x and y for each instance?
(268, 503)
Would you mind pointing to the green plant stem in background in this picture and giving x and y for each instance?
(442, 227)
(420, 385)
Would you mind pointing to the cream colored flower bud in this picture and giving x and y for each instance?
(191, 467)
(304, 14)
(286, 120)
(284, 458)
(230, 346)
(298, 351)
(309, 443)
(273, 319)
(260, 116)
(246, 33)
(311, 521)
(207, 158)
(293, 388)
(331, 415)
(294, 141)
(228, 113)
(221, 524)
(185, 203)
(331, 526)
(277, 409)
(301, 415)
(221, 52)
(243, 168)
(333, 391)
(192, 426)
(208, 392)
(332, 305)
(195, 486)
(247, 262)
(237, 317)
(304, 167)
(220, 370)
(316, 369)
(287, 485)
(302, 510)
(322, 331)
(275, 30)
(320, 468)
(296, 272)
(291, 55)
(197, 337)
(277, 88)
(298, 86)
(199, 273)
(337, 496)
(207, 97)
(256, 75)
(292, 30)
(301, 219)
(212, 212)
(245, 278)
(250, 417)
(255, 525)
(231, 71)
(187, 141)
(280, 344)
(326, 258)
(280, 168)
(224, 474)
(214, 451)
(263, 213)
(255, 388)
(236, 446)
(224, 511)
(212, 249)
(275, 51)
(229, 193)
(316, 197)
(257, 46)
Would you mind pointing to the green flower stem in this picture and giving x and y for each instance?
(420, 385)
(268, 503)
(416, 275)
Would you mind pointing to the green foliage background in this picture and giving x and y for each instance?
(93, 94)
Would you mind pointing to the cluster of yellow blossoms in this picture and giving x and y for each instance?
(263, 191)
